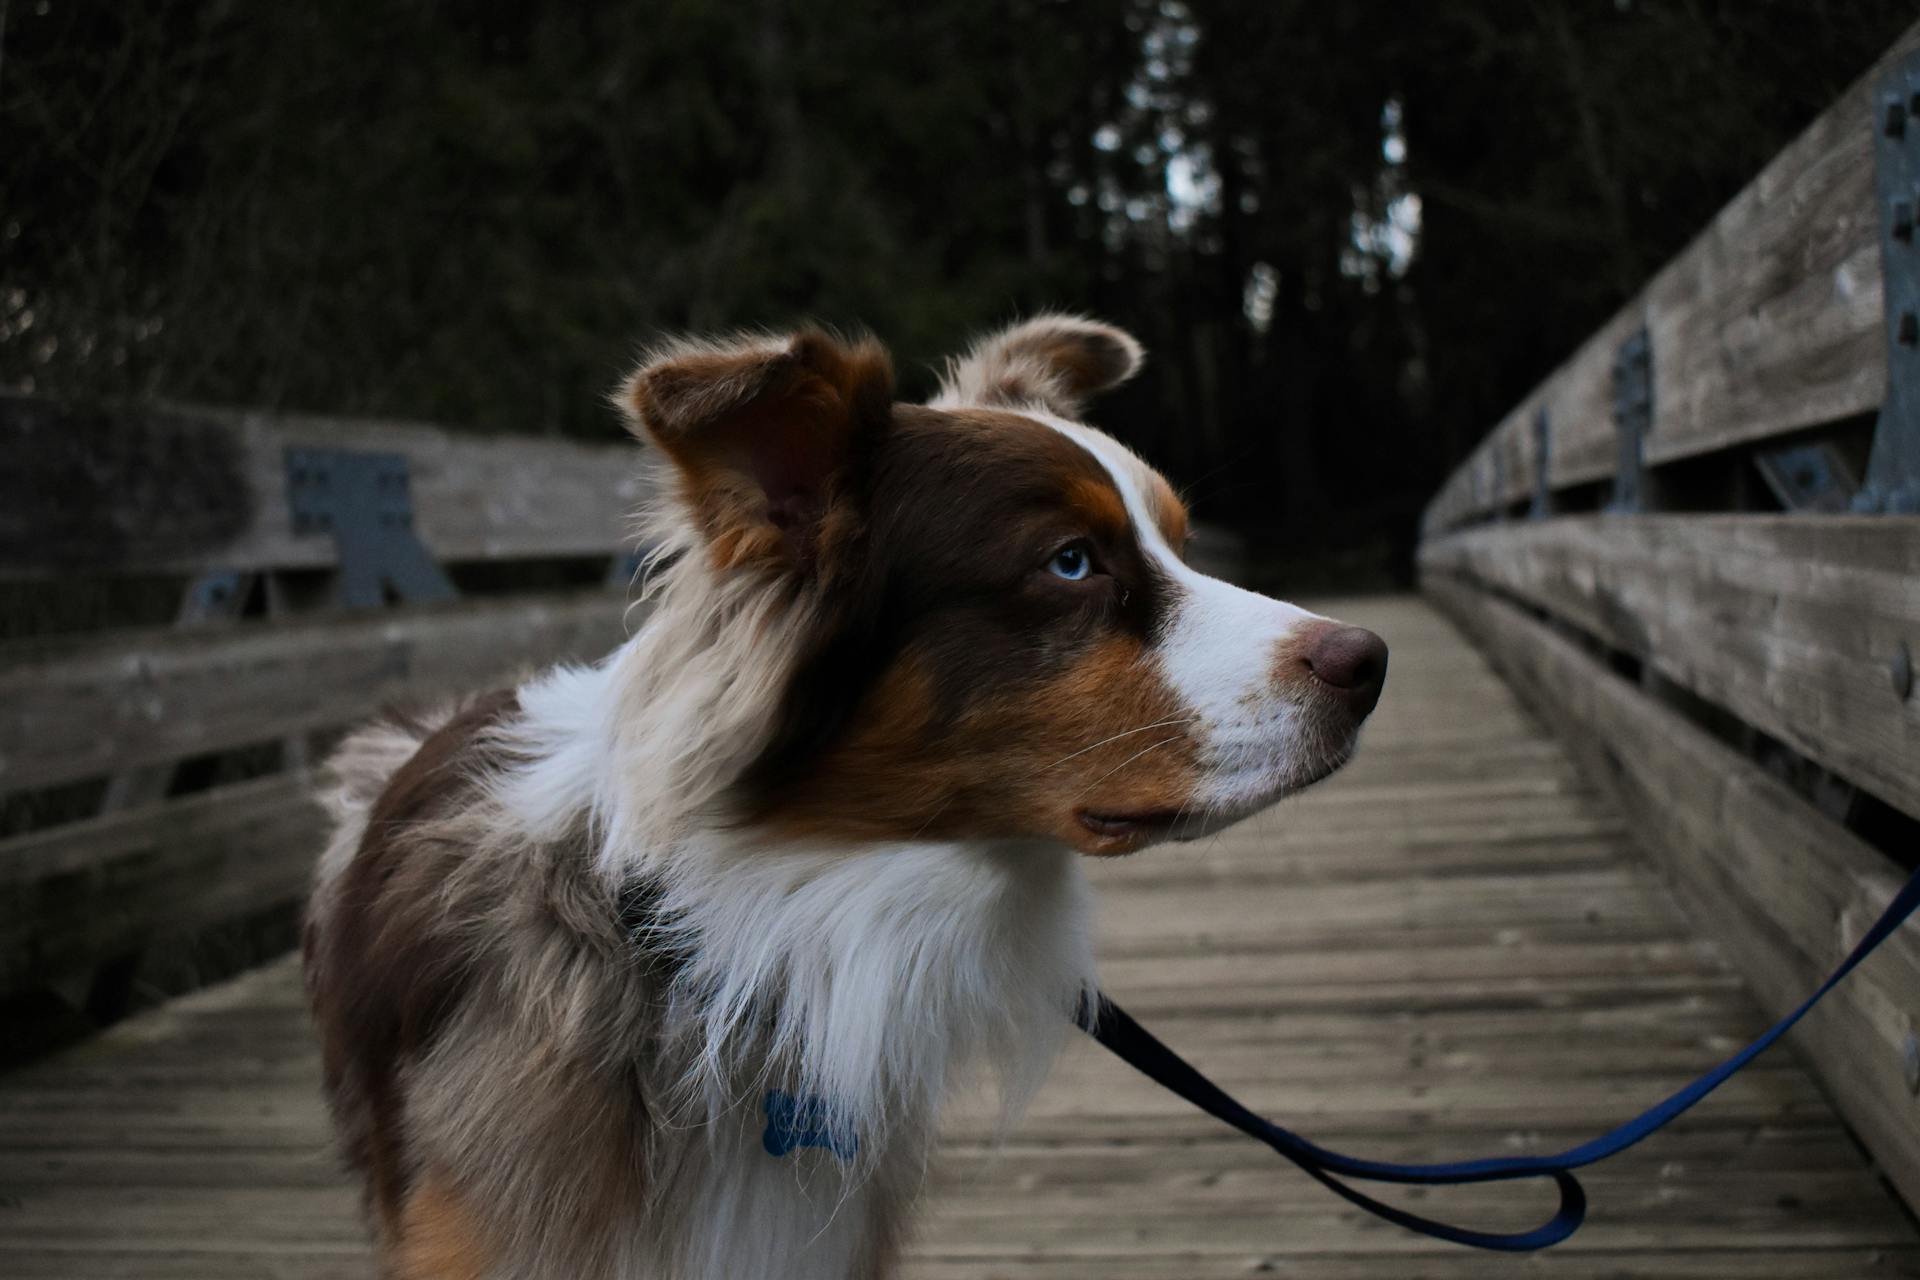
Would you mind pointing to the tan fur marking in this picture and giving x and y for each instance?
(1018, 767)
(1096, 501)
(439, 1238)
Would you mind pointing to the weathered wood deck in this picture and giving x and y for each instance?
(1451, 950)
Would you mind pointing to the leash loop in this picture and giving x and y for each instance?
(1114, 1028)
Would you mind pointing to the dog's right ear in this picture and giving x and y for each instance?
(760, 432)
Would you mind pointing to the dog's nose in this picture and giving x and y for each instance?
(1353, 661)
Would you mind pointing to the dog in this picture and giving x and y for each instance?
(661, 967)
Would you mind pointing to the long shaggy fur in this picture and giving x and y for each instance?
(814, 830)
(621, 1055)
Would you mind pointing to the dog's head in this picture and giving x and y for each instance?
(1000, 637)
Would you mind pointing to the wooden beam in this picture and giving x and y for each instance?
(138, 698)
(1792, 623)
(102, 490)
(1768, 322)
(75, 893)
(1784, 891)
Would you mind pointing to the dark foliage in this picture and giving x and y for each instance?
(474, 212)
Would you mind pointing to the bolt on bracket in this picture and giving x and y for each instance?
(1808, 477)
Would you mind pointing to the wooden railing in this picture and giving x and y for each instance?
(1713, 591)
(211, 497)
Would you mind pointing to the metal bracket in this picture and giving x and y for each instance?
(364, 501)
(1808, 477)
(1633, 418)
(1542, 506)
(1893, 468)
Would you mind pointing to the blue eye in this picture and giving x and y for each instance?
(1071, 562)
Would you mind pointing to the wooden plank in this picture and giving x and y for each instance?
(1277, 1257)
(1685, 1217)
(207, 1261)
(1791, 623)
(1785, 891)
(167, 1218)
(97, 490)
(71, 711)
(74, 893)
(1771, 320)
(1768, 322)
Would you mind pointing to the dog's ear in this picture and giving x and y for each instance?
(1054, 361)
(760, 432)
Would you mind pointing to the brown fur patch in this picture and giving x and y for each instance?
(438, 1237)
(1023, 764)
(1086, 360)
(1096, 501)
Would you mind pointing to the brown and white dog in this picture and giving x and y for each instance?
(660, 968)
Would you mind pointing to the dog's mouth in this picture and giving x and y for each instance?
(1131, 828)
(1115, 831)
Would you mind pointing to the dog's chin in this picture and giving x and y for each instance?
(1117, 829)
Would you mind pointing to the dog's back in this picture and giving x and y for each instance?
(465, 984)
(373, 981)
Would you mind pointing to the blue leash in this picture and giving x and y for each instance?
(1113, 1028)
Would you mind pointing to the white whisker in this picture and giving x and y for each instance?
(1127, 733)
(1124, 763)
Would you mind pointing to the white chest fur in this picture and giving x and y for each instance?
(864, 983)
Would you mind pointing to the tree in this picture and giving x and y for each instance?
(1351, 234)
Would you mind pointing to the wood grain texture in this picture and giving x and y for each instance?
(125, 699)
(103, 490)
(1783, 890)
(1451, 949)
(73, 894)
(1768, 322)
(1793, 624)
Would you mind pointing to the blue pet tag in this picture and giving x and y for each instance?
(793, 1123)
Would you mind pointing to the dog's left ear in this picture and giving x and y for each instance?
(1057, 362)
(761, 432)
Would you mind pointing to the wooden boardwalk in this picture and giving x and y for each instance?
(1451, 950)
